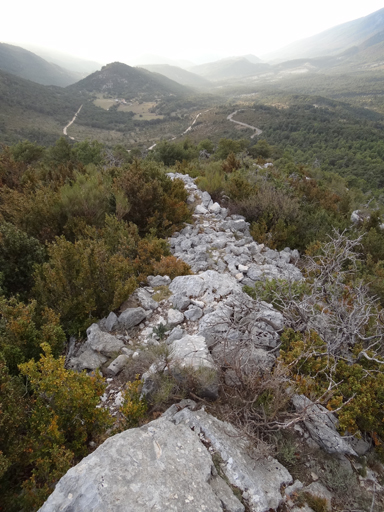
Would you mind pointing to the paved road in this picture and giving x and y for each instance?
(69, 124)
(257, 130)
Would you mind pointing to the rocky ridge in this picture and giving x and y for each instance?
(187, 459)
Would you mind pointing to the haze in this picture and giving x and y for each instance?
(199, 32)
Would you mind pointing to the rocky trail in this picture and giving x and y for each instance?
(188, 460)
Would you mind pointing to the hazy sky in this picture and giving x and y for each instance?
(196, 30)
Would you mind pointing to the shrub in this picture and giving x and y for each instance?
(23, 327)
(64, 420)
(83, 281)
(18, 255)
(156, 202)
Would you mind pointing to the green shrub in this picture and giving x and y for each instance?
(18, 255)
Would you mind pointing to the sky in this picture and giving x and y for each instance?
(197, 31)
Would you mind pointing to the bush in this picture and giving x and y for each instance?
(83, 281)
(64, 420)
(19, 253)
(23, 328)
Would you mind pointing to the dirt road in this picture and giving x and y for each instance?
(257, 130)
(69, 124)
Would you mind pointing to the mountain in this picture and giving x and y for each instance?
(150, 59)
(120, 80)
(334, 40)
(179, 75)
(252, 58)
(235, 67)
(25, 64)
(81, 67)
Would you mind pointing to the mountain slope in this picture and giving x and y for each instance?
(120, 80)
(237, 67)
(25, 64)
(79, 67)
(333, 41)
(179, 75)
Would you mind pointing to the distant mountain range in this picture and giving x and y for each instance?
(25, 64)
(334, 41)
(234, 67)
(179, 75)
(82, 67)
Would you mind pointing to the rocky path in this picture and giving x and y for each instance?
(257, 130)
(71, 122)
(187, 460)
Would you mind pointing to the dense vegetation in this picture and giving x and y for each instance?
(82, 225)
(77, 237)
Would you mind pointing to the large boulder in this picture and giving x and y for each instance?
(102, 342)
(259, 479)
(131, 317)
(172, 464)
(160, 466)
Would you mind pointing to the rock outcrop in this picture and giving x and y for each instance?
(184, 461)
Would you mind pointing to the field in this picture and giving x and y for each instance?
(140, 109)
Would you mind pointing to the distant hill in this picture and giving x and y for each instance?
(236, 67)
(80, 67)
(120, 80)
(151, 59)
(333, 41)
(179, 75)
(25, 64)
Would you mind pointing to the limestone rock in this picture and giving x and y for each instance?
(131, 317)
(180, 301)
(200, 210)
(145, 299)
(321, 425)
(158, 281)
(117, 365)
(175, 317)
(160, 466)
(193, 313)
(111, 322)
(102, 342)
(258, 479)
(176, 334)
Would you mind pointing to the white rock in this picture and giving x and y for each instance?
(215, 208)
(201, 210)
(175, 317)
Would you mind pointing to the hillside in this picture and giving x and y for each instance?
(179, 75)
(225, 69)
(25, 64)
(80, 67)
(333, 41)
(120, 80)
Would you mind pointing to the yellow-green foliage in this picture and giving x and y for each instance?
(134, 408)
(63, 421)
(23, 327)
(360, 388)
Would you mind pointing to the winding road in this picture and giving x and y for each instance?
(187, 130)
(257, 130)
(69, 124)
